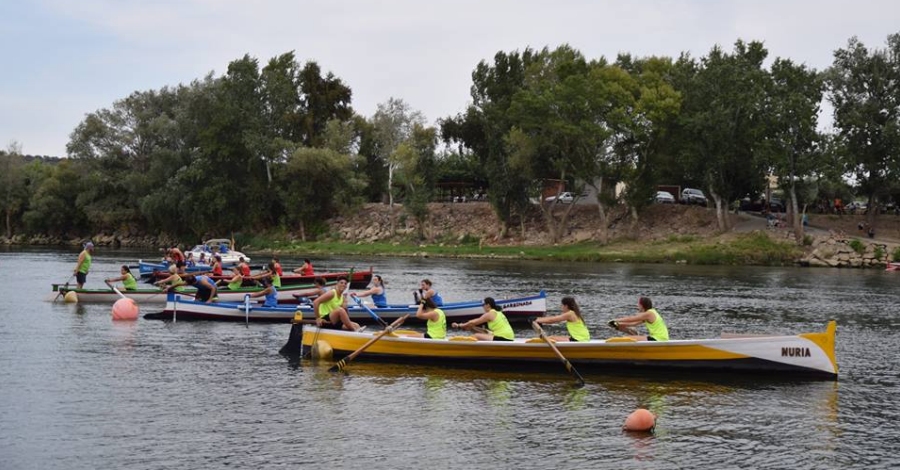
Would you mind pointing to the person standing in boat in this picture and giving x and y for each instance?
(652, 320)
(498, 327)
(571, 314)
(426, 291)
(127, 279)
(83, 266)
(206, 288)
(268, 291)
(306, 269)
(379, 296)
(435, 320)
(175, 255)
(330, 308)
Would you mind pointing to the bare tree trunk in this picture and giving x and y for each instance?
(721, 217)
(8, 223)
(302, 231)
(796, 221)
(634, 222)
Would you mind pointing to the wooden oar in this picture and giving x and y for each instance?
(343, 362)
(115, 290)
(569, 367)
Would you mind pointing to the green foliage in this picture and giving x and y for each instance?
(857, 246)
(895, 256)
(807, 240)
(878, 253)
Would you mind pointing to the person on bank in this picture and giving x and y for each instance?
(379, 297)
(652, 320)
(83, 266)
(306, 269)
(330, 308)
(571, 314)
(206, 288)
(426, 291)
(498, 327)
(127, 279)
(268, 291)
(435, 320)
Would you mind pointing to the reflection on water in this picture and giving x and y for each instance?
(78, 390)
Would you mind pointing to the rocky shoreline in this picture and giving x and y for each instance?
(467, 223)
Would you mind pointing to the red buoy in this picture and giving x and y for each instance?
(125, 309)
(640, 420)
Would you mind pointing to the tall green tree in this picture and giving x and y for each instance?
(791, 116)
(482, 128)
(864, 87)
(13, 199)
(722, 119)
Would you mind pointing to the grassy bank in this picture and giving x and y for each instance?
(741, 249)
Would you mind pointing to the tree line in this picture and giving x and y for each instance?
(279, 147)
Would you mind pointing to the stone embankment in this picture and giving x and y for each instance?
(837, 251)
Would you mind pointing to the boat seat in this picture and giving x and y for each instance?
(620, 339)
(536, 340)
(462, 338)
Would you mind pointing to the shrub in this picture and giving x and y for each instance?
(807, 240)
(879, 253)
(896, 255)
(858, 246)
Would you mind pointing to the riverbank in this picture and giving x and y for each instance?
(663, 234)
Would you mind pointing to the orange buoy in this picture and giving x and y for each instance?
(640, 420)
(125, 309)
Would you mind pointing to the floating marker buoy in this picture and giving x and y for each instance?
(71, 297)
(125, 309)
(322, 350)
(640, 420)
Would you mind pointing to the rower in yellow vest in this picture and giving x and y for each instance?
(435, 320)
(498, 326)
(127, 279)
(652, 320)
(571, 314)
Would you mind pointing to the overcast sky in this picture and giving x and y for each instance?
(63, 59)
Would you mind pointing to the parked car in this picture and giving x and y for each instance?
(664, 197)
(564, 198)
(693, 196)
(760, 205)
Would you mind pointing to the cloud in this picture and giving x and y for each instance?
(92, 52)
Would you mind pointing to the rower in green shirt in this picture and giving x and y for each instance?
(127, 279)
(83, 266)
(571, 314)
(656, 326)
(498, 326)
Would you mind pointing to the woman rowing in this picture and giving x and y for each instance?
(426, 291)
(306, 269)
(173, 281)
(216, 265)
(377, 292)
(235, 282)
(268, 291)
(435, 320)
(330, 308)
(571, 314)
(498, 327)
(656, 326)
(127, 279)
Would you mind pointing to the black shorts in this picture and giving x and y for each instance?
(81, 277)
(650, 338)
(573, 340)
(203, 295)
(497, 338)
(327, 325)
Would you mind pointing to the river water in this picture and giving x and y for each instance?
(79, 391)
